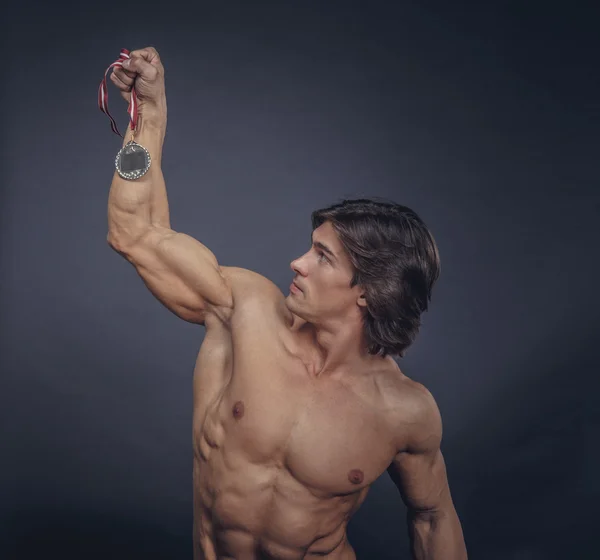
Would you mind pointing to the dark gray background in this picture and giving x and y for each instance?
(482, 117)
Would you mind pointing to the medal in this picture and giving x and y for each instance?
(133, 160)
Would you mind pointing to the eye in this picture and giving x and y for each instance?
(322, 255)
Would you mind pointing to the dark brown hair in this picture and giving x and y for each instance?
(395, 260)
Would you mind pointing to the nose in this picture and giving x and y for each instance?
(298, 266)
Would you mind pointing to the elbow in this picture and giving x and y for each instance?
(440, 533)
(121, 244)
(120, 248)
(112, 242)
(426, 517)
(115, 244)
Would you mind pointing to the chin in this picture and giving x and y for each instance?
(291, 305)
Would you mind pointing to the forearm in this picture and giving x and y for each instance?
(437, 536)
(133, 205)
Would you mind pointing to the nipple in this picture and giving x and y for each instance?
(238, 410)
(356, 476)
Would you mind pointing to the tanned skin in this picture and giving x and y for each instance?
(293, 419)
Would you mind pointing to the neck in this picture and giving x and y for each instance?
(335, 346)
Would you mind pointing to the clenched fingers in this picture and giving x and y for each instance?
(144, 70)
(149, 55)
(144, 62)
(122, 77)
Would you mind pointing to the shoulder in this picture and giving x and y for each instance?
(251, 290)
(415, 416)
(427, 434)
(247, 284)
(244, 278)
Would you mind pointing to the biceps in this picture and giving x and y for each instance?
(181, 273)
(421, 479)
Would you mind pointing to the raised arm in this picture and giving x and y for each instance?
(133, 205)
(183, 274)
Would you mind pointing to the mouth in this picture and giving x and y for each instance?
(294, 288)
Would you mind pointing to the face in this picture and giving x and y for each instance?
(323, 275)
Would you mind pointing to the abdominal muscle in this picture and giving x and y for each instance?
(250, 505)
(246, 511)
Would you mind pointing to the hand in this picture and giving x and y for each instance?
(144, 70)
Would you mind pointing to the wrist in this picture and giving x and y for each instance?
(154, 113)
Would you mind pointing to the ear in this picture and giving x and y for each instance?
(362, 300)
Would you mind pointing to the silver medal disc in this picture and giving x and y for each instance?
(132, 161)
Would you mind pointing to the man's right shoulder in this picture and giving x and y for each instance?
(251, 289)
(244, 281)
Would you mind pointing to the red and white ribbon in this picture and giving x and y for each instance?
(103, 97)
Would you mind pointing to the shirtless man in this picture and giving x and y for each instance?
(298, 404)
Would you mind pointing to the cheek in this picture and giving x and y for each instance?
(326, 285)
(329, 289)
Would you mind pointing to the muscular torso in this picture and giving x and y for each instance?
(282, 458)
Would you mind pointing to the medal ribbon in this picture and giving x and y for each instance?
(103, 97)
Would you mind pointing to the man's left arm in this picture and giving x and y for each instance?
(419, 472)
